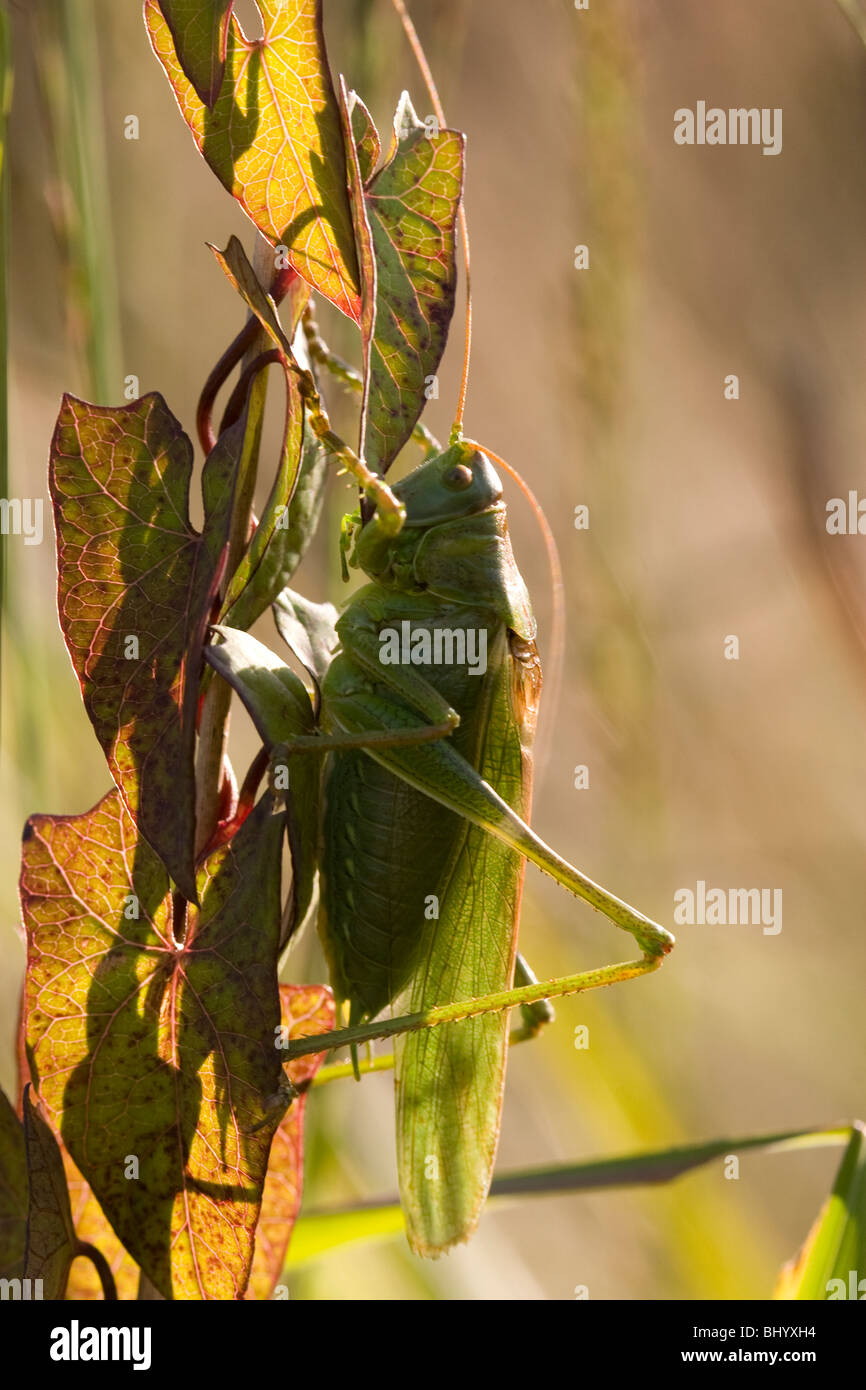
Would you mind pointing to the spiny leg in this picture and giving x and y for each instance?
(472, 1008)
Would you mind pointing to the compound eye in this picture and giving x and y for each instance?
(458, 477)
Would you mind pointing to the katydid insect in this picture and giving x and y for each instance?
(423, 837)
(407, 781)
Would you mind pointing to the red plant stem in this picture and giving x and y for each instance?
(237, 399)
(213, 729)
(234, 353)
(246, 800)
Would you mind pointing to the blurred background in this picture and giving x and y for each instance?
(604, 387)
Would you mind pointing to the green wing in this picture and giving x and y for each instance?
(450, 1079)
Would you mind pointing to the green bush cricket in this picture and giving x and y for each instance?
(422, 833)
(414, 807)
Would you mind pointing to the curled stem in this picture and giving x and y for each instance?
(100, 1263)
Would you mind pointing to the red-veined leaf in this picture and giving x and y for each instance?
(88, 1219)
(92, 1227)
(306, 1010)
(200, 29)
(135, 582)
(13, 1192)
(273, 138)
(51, 1239)
(155, 1058)
(412, 206)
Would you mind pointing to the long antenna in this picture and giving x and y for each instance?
(558, 620)
(430, 84)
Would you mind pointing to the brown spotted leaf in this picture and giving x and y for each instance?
(412, 206)
(273, 138)
(92, 1228)
(199, 30)
(13, 1192)
(306, 1010)
(157, 1060)
(134, 589)
(51, 1240)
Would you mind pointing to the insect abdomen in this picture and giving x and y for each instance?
(388, 847)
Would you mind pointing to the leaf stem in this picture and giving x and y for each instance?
(213, 732)
(98, 1260)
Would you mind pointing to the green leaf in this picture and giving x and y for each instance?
(306, 1010)
(365, 136)
(276, 699)
(13, 1192)
(657, 1167)
(236, 266)
(199, 30)
(134, 592)
(832, 1263)
(287, 525)
(309, 630)
(274, 140)
(153, 1044)
(412, 206)
(51, 1239)
(280, 708)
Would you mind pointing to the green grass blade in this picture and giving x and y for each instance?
(70, 74)
(832, 1262)
(856, 16)
(321, 1231)
(5, 103)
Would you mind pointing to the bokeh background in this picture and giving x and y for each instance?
(603, 387)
